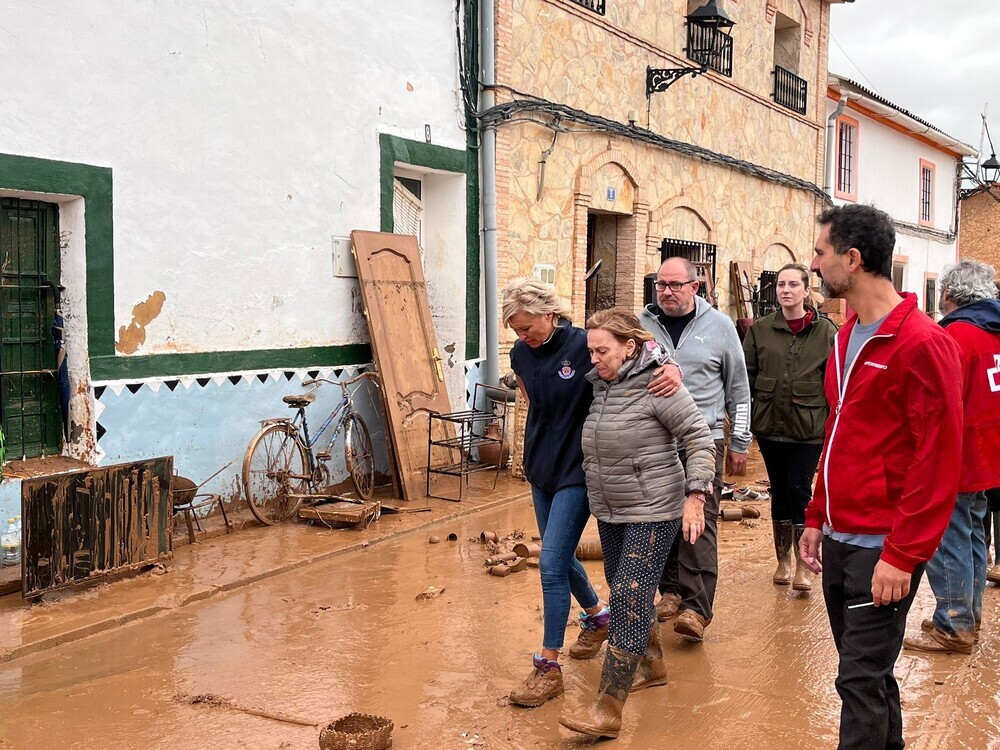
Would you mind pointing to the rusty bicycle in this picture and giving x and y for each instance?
(282, 467)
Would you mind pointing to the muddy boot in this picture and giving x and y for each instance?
(544, 682)
(668, 607)
(651, 670)
(783, 533)
(803, 576)
(593, 633)
(604, 717)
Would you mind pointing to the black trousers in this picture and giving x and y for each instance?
(692, 570)
(790, 469)
(868, 641)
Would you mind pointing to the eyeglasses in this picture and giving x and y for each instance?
(675, 286)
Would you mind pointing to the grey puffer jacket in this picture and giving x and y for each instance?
(630, 442)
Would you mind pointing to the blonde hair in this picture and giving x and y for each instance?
(534, 297)
(621, 324)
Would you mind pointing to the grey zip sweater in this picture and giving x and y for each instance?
(711, 357)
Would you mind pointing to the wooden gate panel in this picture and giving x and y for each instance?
(83, 525)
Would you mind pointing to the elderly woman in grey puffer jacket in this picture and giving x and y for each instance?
(642, 497)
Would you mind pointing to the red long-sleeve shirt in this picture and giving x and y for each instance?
(893, 448)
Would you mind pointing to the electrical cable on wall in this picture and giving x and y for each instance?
(514, 111)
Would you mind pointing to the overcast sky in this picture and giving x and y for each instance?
(938, 59)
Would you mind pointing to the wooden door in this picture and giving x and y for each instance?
(29, 269)
(404, 346)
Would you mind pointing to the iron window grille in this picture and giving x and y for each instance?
(845, 160)
(790, 91)
(701, 253)
(767, 294)
(712, 47)
(595, 5)
(926, 193)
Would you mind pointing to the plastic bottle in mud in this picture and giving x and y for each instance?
(10, 543)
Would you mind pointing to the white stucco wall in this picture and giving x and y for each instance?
(889, 177)
(242, 137)
(889, 172)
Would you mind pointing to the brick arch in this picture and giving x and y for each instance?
(660, 213)
(611, 156)
(756, 259)
(631, 234)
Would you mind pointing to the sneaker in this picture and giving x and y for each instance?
(668, 607)
(593, 633)
(938, 642)
(544, 682)
(691, 625)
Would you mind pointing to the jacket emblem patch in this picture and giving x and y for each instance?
(566, 371)
(994, 375)
(877, 365)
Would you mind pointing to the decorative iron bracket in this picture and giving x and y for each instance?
(660, 79)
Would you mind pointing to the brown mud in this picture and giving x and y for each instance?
(347, 634)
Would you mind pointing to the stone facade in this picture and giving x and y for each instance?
(556, 173)
(979, 229)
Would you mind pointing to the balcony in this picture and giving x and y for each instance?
(712, 47)
(790, 91)
(595, 5)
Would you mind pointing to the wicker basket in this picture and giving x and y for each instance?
(357, 732)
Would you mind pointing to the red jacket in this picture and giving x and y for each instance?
(976, 328)
(893, 448)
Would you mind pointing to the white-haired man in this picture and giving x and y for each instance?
(957, 572)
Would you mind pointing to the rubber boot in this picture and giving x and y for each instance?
(783, 533)
(651, 671)
(803, 576)
(603, 718)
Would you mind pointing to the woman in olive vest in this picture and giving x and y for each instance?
(786, 354)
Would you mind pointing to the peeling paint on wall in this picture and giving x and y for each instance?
(132, 336)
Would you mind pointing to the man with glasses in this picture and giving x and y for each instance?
(704, 343)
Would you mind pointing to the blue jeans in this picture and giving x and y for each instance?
(957, 572)
(561, 519)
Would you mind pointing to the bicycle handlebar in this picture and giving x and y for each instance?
(344, 383)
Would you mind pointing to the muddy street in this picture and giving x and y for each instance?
(349, 635)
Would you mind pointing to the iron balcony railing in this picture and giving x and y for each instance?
(712, 47)
(789, 90)
(595, 5)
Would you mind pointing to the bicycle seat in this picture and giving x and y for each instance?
(299, 402)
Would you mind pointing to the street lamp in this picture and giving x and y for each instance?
(711, 16)
(990, 169)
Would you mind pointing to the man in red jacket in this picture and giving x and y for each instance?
(889, 471)
(957, 572)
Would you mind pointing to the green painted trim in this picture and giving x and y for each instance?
(393, 149)
(159, 365)
(472, 267)
(93, 184)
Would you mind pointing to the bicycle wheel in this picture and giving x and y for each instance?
(273, 468)
(359, 456)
